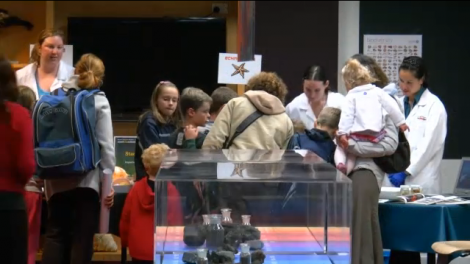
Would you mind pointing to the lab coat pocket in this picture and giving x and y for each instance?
(421, 125)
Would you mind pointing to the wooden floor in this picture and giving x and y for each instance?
(99, 257)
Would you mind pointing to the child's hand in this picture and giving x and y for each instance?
(39, 182)
(109, 200)
(190, 132)
(343, 141)
(404, 127)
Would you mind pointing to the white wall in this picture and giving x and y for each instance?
(348, 45)
(348, 35)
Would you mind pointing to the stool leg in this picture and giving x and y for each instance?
(404, 257)
(442, 259)
(431, 259)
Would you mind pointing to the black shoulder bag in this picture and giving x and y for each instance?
(398, 161)
(243, 125)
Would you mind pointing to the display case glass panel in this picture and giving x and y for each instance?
(286, 206)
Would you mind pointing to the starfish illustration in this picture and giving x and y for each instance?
(238, 170)
(240, 70)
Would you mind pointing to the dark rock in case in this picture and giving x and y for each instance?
(250, 233)
(194, 236)
(221, 257)
(227, 247)
(234, 237)
(190, 257)
(257, 257)
(255, 244)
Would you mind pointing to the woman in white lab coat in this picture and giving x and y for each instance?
(426, 117)
(45, 74)
(307, 106)
(47, 71)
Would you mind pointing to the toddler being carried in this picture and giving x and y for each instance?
(363, 115)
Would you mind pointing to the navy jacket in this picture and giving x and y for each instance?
(317, 141)
(149, 132)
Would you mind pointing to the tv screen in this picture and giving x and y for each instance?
(138, 53)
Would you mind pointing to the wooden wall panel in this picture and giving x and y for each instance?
(124, 128)
(15, 41)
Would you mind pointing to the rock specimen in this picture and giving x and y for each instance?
(194, 236)
(255, 244)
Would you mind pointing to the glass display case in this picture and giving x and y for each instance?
(251, 206)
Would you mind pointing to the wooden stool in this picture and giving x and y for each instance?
(445, 248)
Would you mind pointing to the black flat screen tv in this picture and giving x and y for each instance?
(140, 52)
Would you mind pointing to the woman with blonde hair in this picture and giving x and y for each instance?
(367, 178)
(47, 71)
(74, 203)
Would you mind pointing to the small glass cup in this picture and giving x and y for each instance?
(246, 220)
(226, 218)
(206, 219)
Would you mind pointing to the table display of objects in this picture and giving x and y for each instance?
(121, 178)
(222, 239)
(122, 182)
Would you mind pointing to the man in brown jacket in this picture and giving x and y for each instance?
(272, 130)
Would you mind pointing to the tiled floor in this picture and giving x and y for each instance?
(278, 259)
(281, 244)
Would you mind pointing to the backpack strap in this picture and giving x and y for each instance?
(243, 125)
(56, 92)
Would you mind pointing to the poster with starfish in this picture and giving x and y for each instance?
(232, 71)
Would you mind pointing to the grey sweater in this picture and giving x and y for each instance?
(365, 151)
(104, 134)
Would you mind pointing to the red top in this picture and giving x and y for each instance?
(137, 225)
(17, 164)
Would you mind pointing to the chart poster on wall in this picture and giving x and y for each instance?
(232, 71)
(390, 50)
(124, 148)
(67, 56)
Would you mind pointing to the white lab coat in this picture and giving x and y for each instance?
(428, 130)
(27, 76)
(299, 109)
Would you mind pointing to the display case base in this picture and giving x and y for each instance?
(281, 245)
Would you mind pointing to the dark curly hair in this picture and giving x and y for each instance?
(269, 82)
(416, 66)
(8, 87)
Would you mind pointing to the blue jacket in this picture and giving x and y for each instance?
(317, 141)
(149, 132)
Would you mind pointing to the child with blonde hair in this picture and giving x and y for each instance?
(318, 140)
(363, 115)
(137, 220)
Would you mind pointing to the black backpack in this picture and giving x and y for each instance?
(398, 161)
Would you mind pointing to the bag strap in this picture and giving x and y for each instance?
(60, 91)
(243, 125)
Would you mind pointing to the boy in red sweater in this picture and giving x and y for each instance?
(137, 220)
